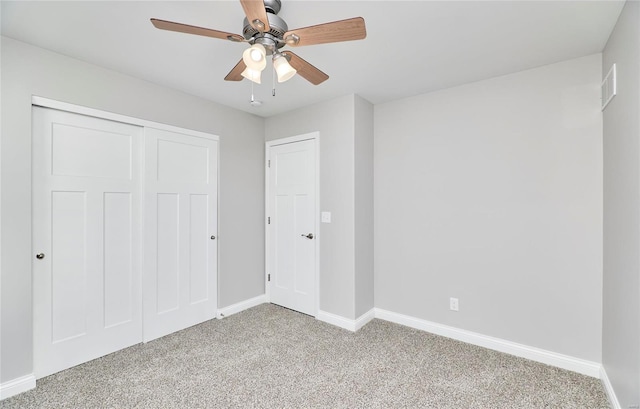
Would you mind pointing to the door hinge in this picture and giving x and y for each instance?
(268, 277)
(268, 220)
(269, 163)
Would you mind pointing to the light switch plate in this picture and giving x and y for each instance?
(325, 217)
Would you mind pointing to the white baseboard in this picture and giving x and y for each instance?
(241, 306)
(16, 386)
(346, 323)
(570, 363)
(336, 320)
(364, 319)
(608, 388)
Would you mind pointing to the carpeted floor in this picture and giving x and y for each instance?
(271, 357)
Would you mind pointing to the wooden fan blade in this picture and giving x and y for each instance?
(336, 31)
(235, 73)
(256, 14)
(185, 28)
(306, 70)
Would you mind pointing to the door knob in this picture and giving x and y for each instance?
(213, 237)
(40, 256)
(309, 236)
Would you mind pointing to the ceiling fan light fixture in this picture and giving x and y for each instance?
(252, 75)
(255, 57)
(284, 70)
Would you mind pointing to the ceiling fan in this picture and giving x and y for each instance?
(267, 33)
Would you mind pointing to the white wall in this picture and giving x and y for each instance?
(621, 295)
(335, 122)
(363, 195)
(491, 192)
(27, 71)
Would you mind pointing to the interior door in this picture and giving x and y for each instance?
(86, 238)
(291, 232)
(181, 207)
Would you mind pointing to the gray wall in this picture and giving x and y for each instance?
(492, 193)
(621, 295)
(28, 71)
(363, 149)
(335, 122)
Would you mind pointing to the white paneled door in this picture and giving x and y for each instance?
(180, 231)
(291, 232)
(86, 238)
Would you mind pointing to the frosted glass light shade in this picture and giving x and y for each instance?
(284, 70)
(255, 57)
(252, 75)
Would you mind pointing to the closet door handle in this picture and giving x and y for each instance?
(309, 236)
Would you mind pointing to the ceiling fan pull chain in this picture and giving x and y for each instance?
(273, 79)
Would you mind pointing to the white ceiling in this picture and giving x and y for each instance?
(412, 47)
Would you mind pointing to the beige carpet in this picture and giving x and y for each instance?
(271, 357)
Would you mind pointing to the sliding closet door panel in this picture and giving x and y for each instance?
(86, 238)
(180, 231)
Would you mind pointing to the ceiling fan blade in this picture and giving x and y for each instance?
(256, 14)
(235, 73)
(185, 28)
(306, 70)
(336, 31)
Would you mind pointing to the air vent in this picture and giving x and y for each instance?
(608, 87)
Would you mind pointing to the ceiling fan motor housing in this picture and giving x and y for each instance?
(272, 6)
(271, 39)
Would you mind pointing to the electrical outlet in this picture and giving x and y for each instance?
(453, 304)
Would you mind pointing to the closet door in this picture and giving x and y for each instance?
(86, 238)
(181, 203)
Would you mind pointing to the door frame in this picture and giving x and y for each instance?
(143, 123)
(314, 136)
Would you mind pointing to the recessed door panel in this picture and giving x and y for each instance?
(304, 249)
(118, 258)
(198, 248)
(168, 257)
(87, 152)
(284, 227)
(182, 162)
(69, 265)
